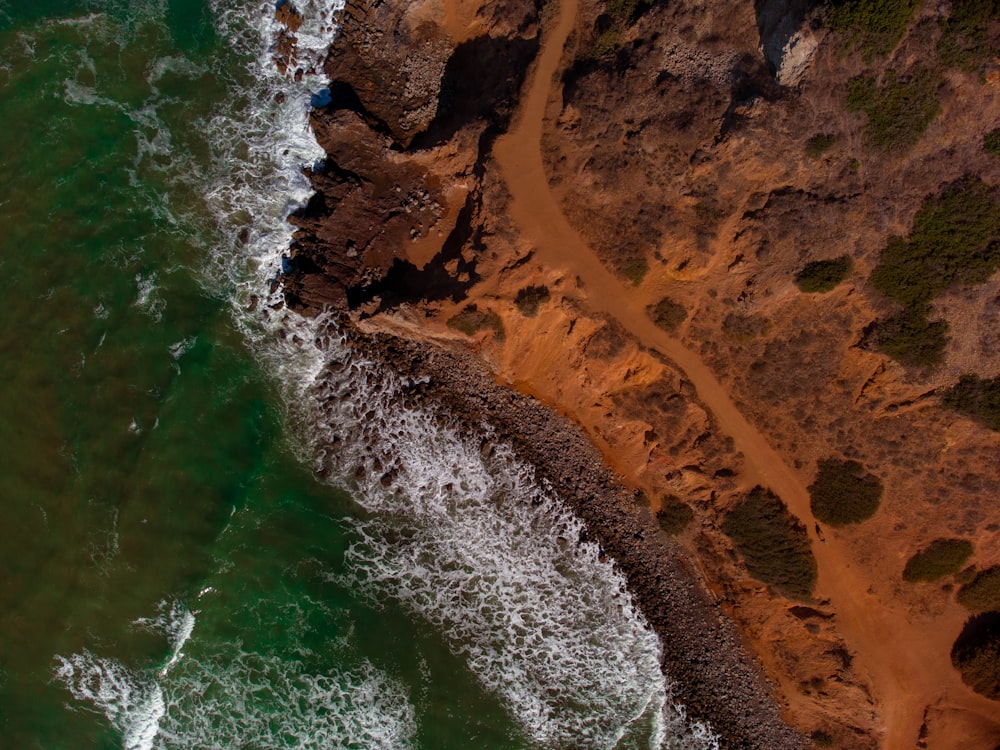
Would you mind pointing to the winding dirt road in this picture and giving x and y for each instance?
(908, 665)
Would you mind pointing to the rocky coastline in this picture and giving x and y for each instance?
(715, 679)
(613, 207)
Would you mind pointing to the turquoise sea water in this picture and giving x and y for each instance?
(173, 573)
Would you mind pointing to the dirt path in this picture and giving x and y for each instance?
(909, 666)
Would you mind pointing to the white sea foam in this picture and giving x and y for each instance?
(473, 544)
(227, 698)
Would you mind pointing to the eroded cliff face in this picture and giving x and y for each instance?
(705, 152)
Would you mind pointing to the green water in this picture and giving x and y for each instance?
(143, 457)
(173, 574)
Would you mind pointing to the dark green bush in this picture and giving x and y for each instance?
(911, 339)
(471, 320)
(991, 143)
(899, 110)
(635, 270)
(821, 738)
(773, 543)
(823, 275)
(668, 314)
(976, 398)
(982, 593)
(674, 514)
(938, 559)
(819, 145)
(964, 41)
(843, 492)
(976, 654)
(876, 25)
(954, 238)
(529, 299)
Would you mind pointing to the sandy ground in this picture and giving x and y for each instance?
(907, 663)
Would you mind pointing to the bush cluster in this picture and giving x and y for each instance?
(976, 398)
(991, 142)
(823, 275)
(668, 314)
(954, 239)
(674, 514)
(819, 145)
(773, 544)
(976, 654)
(634, 269)
(529, 299)
(899, 110)
(938, 559)
(745, 327)
(877, 26)
(982, 593)
(964, 41)
(843, 492)
(471, 320)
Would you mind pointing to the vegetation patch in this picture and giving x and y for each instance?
(982, 593)
(965, 34)
(772, 543)
(618, 15)
(634, 270)
(819, 145)
(955, 239)
(668, 314)
(529, 299)
(976, 398)
(877, 26)
(472, 320)
(899, 110)
(843, 492)
(976, 654)
(823, 275)
(911, 339)
(991, 143)
(674, 514)
(940, 558)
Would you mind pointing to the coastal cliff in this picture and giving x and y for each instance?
(672, 224)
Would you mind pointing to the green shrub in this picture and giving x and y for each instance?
(976, 654)
(938, 559)
(982, 593)
(877, 25)
(819, 145)
(964, 41)
(823, 275)
(821, 738)
(954, 238)
(773, 544)
(843, 492)
(635, 270)
(674, 515)
(471, 320)
(991, 143)
(529, 299)
(976, 398)
(899, 110)
(911, 339)
(668, 314)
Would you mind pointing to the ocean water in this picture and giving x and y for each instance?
(175, 573)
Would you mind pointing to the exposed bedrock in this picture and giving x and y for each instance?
(411, 114)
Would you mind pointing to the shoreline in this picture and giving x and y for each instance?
(703, 656)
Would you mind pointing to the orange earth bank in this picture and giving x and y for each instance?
(900, 688)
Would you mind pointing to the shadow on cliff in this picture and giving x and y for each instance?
(482, 80)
